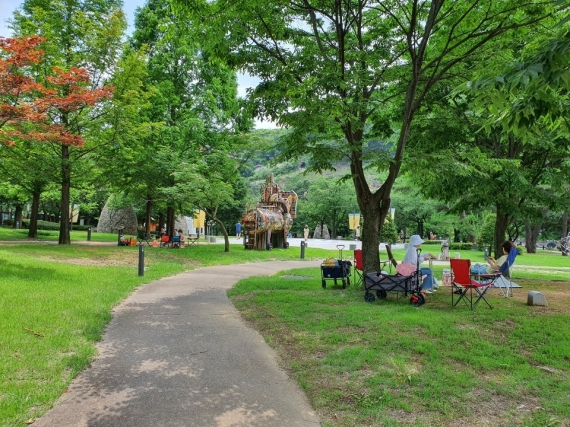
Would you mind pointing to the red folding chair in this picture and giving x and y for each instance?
(467, 287)
(358, 267)
(164, 241)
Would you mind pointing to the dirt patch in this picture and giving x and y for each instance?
(557, 295)
(116, 260)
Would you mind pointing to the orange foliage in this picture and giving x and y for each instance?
(25, 103)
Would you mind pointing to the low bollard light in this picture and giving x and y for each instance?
(141, 260)
(302, 250)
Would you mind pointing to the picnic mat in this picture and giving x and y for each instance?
(502, 283)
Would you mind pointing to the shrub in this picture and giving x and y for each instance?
(388, 233)
(42, 225)
(83, 227)
(460, 246)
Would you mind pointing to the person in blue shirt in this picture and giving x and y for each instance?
(238, 230)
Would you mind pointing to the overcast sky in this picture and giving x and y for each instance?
(7, 8)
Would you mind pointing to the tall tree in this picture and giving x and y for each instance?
(30, 115)
(327, 202)
(329, 70)
(507, 153)
(83, 38)
(191, 96)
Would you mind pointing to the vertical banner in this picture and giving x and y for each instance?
(353, 221)
(73, 213)
(199, 219)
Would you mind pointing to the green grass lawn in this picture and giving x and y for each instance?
(385, 363)
(388, 363)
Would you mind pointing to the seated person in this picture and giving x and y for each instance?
(495, 265)
(123, 241)
(155, 243)
(411, 259)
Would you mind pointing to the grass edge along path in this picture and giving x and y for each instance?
(390, 364)
(56, 300)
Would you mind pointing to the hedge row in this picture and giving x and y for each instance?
(461, 246)
(46, 225)
(453, 246)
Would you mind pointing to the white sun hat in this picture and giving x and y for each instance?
(416, 240)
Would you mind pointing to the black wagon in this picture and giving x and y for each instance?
(336, 269)
(404, 286)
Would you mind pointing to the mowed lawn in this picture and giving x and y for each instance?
(388, 363)
(385, 363)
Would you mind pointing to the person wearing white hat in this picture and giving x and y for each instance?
(412, 258)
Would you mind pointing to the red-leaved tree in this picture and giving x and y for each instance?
(44, 111)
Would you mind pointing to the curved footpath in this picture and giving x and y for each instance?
(177, 353)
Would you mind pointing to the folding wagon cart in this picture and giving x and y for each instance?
(334, 269)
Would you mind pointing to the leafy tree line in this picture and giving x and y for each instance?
(159, 122)
(373, 85)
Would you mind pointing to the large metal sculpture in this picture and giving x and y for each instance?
(267, 225)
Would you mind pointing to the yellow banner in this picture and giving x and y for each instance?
(353, 221)
(199, 219)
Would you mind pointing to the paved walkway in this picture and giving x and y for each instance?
(177, 353)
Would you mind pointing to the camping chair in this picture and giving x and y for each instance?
(505, 281)
(164, 241)
(463, 284)
(175, 242)
(359, 267)
(143, 238)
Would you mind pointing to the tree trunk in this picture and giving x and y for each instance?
(456, 234)
(147, 218)
(33, 231)
(501, 223)
(369, 236)
(224, 232)
(530, 238)
(421, 228)
(18, 216)
(170, 221)
(333, 225)
(64, 237)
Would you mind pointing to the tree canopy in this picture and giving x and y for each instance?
(344, 74)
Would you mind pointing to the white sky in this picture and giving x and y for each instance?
(7, 8)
